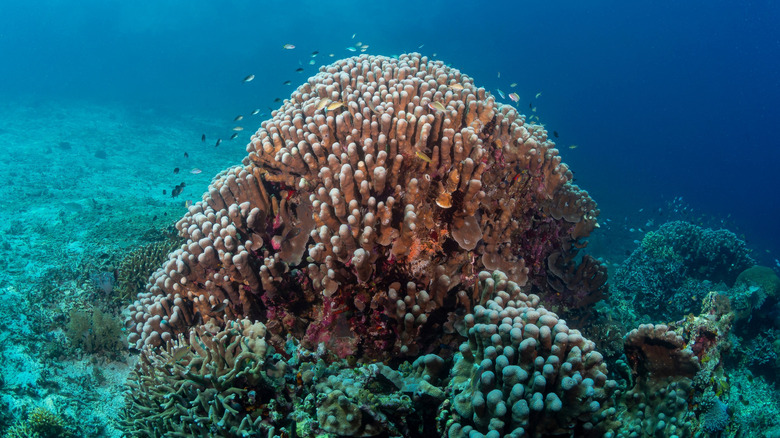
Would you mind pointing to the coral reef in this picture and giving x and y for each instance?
(363, 212)
(523, 372)
(135, 268)
(97, 332)
(674, 267)
(212, 384)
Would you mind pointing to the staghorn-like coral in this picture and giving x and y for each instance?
(211, 384)
(364, 210)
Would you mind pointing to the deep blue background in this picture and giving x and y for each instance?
(664, 99)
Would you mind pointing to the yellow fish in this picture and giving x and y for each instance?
(574, 146)
(437, 106)
(422, 156)
(335, 105)
(323, 103)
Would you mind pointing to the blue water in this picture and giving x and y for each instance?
(674, 107)
(662, 101)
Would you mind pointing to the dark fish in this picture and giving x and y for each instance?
(278, 99)
(165, 192)
(219, 140)
(287, 82)
(299, 69)
(186, 155)
(315, 53)
(134, 350)
(249, 78)
(238, 117)
(530, 105)
(177, 190)
(233, 137)
(197, 318)
(176, 170)
(555, 134)
(203, 137)
(218, 308)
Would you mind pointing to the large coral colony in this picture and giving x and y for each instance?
(387, 261)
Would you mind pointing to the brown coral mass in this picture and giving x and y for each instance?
(362, 226)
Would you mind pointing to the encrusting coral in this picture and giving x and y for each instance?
(363, 212)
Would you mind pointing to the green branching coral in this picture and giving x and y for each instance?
(216, 385)
(98, 332)
(41, 423)
(134, 270)
(656, 246)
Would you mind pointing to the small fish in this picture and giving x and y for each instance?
(530, 105)
(499, 75)
(238, 118)
(358, 44)
(134, 350)
(351, 49)
(437, 106)
(188, 203)
(178, 354)
(255, 112)
(175, 170)
(288, 46)
(219, 307)
(353, 36)
(574, 146)
(335, 105)
(514, 97)
(364, 47)
(555, 134)
(287, 82)
(195, 171)
(312, 62)
(219, 141)
(513, 85)
(278, 99)
(421, 46)
(233, 137)
(165, 192)
(538, 95)
(323, 103)
(501, 93)
(456, 86)
(249, 78)
(434, 54)
(315, 53)
(186, 155)
(238, 128)
(203, 137)
(299, 69)
(422, 156)
(177, 190)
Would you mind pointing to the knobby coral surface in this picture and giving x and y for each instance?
(364, 210)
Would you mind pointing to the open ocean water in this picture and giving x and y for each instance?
(116, 116)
